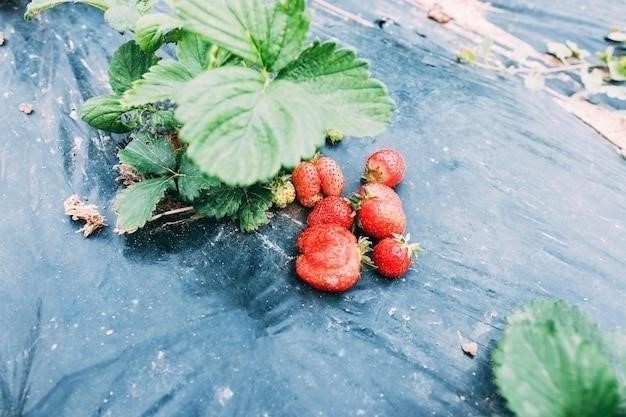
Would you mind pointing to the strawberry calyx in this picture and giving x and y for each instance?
(372, 175)
(365, 247)
(413, 249)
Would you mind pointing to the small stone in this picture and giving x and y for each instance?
(2, 39)
(470, 348)
(25, 108)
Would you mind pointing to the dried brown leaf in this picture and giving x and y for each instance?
(88, 213)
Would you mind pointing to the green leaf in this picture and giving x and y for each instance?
(192, 180)
(128, 64)
(161, 82)
(484, 48)
(606, 56)
(616, 36)
(242, 129)
(559, 50)
(104, 112)
(248, 204)
(340, 84)
(144, 6)
(219, 202)
(164, 121)
(149, 155)
(193, 51)
(577, 52)
(256, 201)
(38, 6)
(551, 362)
(151, 29)
(535, 81)
(269, 34)
(122, 17)
(466, 56)
(617, 69)
(134, 205)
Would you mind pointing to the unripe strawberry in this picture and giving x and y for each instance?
(283, 191)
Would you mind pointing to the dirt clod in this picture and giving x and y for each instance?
(88, 213)
(470, 348)
(438, 14)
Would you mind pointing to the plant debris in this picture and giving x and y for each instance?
(88, 213)
(26, 108)
(438, 14)
(128, 175)
(470, 349)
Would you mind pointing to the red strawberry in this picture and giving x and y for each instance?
(379, 211)
(380, 218)
(393, 256)
(376, 190)
(385, 166)
(307, 184)
(331, 176)
(330, 258)
(332, 210)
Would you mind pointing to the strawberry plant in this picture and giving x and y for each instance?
(552, 361)
(242, 102)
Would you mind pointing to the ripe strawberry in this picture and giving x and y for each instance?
(381, 218)
(385, 166)
(379, 210)
(331, 176)
(393, 256)
(283, 191)
(307, 184)
(330, 258)
(332, 210)
(377, 190)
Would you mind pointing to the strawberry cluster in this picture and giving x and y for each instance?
(331, 255)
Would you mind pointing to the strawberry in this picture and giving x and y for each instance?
(385, 166)
(307, 184)
(380, 218)
(334, 136)
(332, 210)
(330, 258)
(379, 211)
(377, 190)
(393, 256)
(330, 175)
(283, 191)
